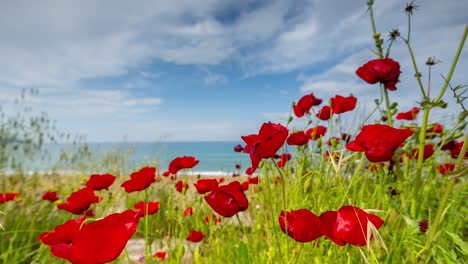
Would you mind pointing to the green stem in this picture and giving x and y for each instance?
(442, 207)
(283, 192)
(454, 64)
(374, 29)
(415, 66)
(387, 104)
(422, 143)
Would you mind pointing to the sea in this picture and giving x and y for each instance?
(216, 158)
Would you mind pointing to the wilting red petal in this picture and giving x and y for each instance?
(188, 211)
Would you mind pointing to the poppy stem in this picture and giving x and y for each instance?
(387, 104)
(273, 220)
(283, 192)
(419, 168)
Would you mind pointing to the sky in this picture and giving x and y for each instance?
(210, 70)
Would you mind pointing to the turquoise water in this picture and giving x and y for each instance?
(213, 156)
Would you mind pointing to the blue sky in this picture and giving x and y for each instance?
(207, 70)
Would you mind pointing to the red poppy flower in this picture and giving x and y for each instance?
(456, 149)
(298, 139)
(325, 113)
(50, 196)
(385, 71)
(349, 225)
(6, 197)
(238, 166)
(238, 148)
(140, 180)
(304, 104)
(195, 236)
(99, 182)
(303, 225)
(188, 211)
(182, 163)
(253, 180)
(423, 225)
(228, 200)
(285, 157)
(62, 234)
(245, 186)
(206, 185)
(379, 142)
(212, 218)
(428, 152)
(269, 140)
(181, 186)
(148, 208)
(79, 201)
(444, 168)
(410, 115)
(160, 255)
(101, 241)
(316, 132)
(340, 104)
(221, 180)
(166, 173)
(278, 179)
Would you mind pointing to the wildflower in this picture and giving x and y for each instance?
(238, 148)
(316, 132)
(206, 185)
(385, 71)
(302, 225)
(340, 104)
(195, 236)
(140, 180)
(284, 158)
(410, 115)
(269, 140)
(148, 208)
(181, 186)
(349, 225)
(80, 201)
(423, 225)
(445, 168)
(9, 196)
(50, 196)
(379, 142)
(182, 163)
(99, 182)
(161, 255)
(188, 211)
(304, 104)
(297, 139)
(325, 113)
(427, 153)
(228, 200)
